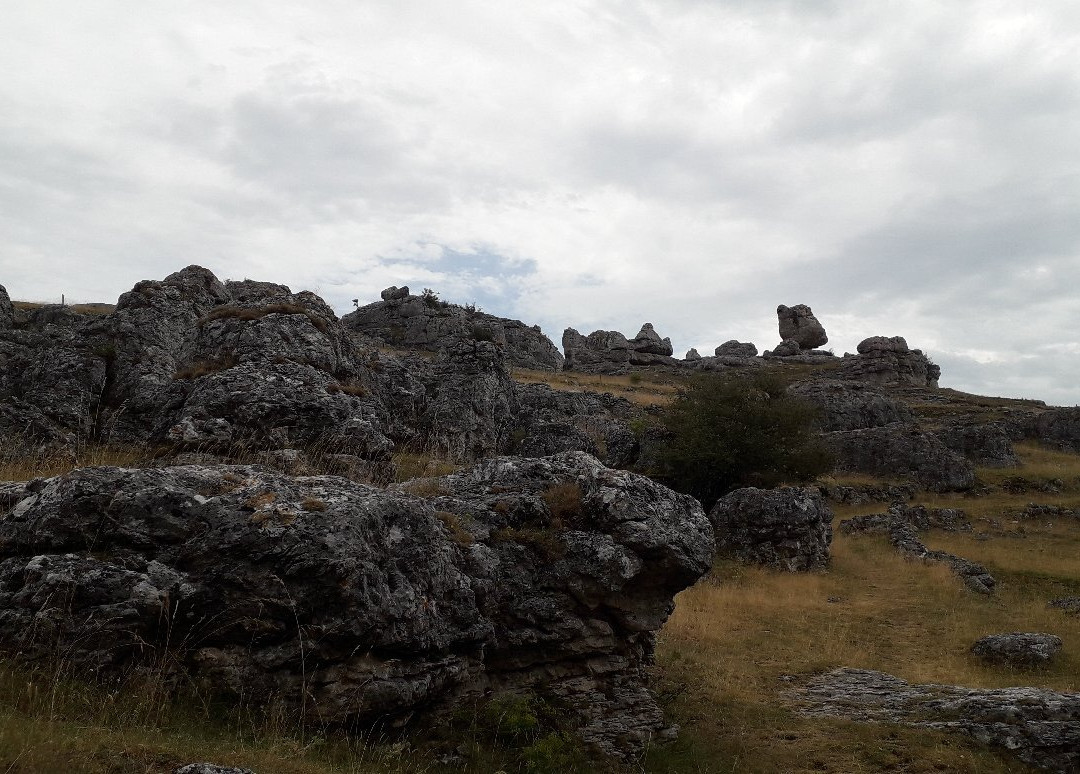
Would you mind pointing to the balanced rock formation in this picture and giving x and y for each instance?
(888, 361)
(1018, 650)
(426, 323)
(362, 605)
(1037, 726)
(797, 323)
(648, 342)
(788, 528)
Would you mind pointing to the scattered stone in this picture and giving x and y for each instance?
(735, 348)
(1039, 727)
(888, 361)
(1019, 650)
(1070, 605)
(788, 528)
(1040, 511)
(692, 354)
(848, 406)
(860, 494)
(365, 605)
(210, 768)
(1022, 484)
(799, 324)
(901, 450)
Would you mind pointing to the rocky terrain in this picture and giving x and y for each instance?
(376, 521)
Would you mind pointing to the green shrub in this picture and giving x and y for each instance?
(724, 433)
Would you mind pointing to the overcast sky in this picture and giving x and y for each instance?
(905, 168)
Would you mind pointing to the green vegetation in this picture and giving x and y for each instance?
(730, 432)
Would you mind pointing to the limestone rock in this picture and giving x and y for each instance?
(901, 450)
(986, 444)
(1070, 605)
(692, 354)
(846, 406)
(394, 293)
(550, 574)
(427, 324)
(600, 424)
(888, 361)
(1060, 427)
(1019, 650)
(735, 348)
(648, 341)
(1037, 726)
(786, 348)
(798, 323)
(7, 312)
(788, 528)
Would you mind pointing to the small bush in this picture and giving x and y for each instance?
(726, 433)
(481, 333)
(431, 298)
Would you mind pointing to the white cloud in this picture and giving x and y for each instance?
(904, 168)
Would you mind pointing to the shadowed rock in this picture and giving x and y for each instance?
(797, 323)
(1019, 650)
(788, 528)
(901, 450)
(847, 406)
(360, 605)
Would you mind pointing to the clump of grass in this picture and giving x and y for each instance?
(647, 389)
(21, 463)
(258, 312)
(205, 368)
(313, 505)
(356, 390)
(545, 541)
(458, 533)
(425, 487)
(564, 502)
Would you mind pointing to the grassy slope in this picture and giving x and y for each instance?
(722, 657)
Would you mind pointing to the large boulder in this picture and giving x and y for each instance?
(985, 444)
(1019, 650)
(798, 323)
(788, 528)
(648, 342)
(7, 312)
(735, 348)
(361, 605)
(901, 451)
(887, 360)
(847, 406)
(1060, 427)
(428, 324)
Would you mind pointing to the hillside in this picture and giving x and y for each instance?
(421, 538)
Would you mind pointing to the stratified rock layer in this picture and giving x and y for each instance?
(361, 605)
(1041, 728)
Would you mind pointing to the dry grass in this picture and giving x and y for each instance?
(46, 463)
(409, 465)
(95, 309)
(258, 312)
(644, 389)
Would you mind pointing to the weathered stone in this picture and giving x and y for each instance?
(860, 494)
(363, 604)
(394, 293)
(1019, 650)
(1070, 605)
(786, 348)
(648, 341)
(799, 324)
(7, 312)
(735, 348)
(787, 528)
(692, 354)
(1060, 427)
(888, 361)
(901, 450)
(1039, 727)
(846, 406)
(987, 444)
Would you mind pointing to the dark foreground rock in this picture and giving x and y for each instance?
(901, 450)
(359, 605)
(1041, 728)
(902, 523)
(850, 406)
(788, 528)
(1019, 650)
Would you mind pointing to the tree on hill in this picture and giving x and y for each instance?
(727, 432)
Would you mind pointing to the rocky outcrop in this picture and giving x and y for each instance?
(787, 528)
(1037, 726)
(988, 444)
(692, 354)
(360, 605)
(610, 351)
(7, 313)
(847, 406)
(902, 523)
(1018, 650)
(428, 324)
(598, 423)
(1060, 427)
(797, 323)
(735, 348)
(887, 360)
(904, 451)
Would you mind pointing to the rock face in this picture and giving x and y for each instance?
(364, 605)
(692, 354)
(798, 323)
(786, 348)
(901, 450)
(1019, 650)
(550, 421)
(987, 444)
(847, 406)
(1039, 727)
(1060, 427)
(735, 348)
(787, 528)
(902, 523)
(426, 323)
(888, 361)
(7, 313)
(610, 351)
